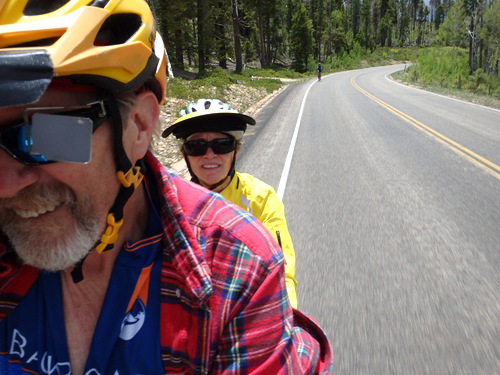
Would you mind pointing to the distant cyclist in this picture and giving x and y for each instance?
(319, 69)
(210, 132)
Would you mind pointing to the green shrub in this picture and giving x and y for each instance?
(444, 67)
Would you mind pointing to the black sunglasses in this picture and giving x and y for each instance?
(218, 146)
(18, 140)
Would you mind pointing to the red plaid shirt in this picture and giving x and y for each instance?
(224, 308)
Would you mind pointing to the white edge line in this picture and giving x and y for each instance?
(288, 161)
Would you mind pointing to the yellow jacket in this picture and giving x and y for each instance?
(260, 199)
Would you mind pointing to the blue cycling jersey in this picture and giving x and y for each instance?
(127, 336)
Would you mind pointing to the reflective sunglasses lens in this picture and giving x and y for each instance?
(55, 136)
(223, 145)
(195, 148)
(218, 146)
(16, 143)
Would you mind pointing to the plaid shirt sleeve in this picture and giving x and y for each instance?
(225, 308)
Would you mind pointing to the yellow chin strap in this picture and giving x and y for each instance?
(130, 181)
(110, 235)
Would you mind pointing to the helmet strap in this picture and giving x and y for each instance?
(130, 180)
(230, 175)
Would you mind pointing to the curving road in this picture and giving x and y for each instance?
(392, 197)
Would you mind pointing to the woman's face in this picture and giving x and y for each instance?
(211, 168)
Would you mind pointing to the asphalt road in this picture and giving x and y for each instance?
(392, 198)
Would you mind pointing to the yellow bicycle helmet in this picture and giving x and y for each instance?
(111, 44)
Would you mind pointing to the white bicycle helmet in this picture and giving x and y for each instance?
(209, 115)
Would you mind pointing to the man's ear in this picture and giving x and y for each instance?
(143, 118)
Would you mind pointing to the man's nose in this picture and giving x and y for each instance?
(15, 176)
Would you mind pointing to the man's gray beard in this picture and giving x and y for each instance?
(36, 247)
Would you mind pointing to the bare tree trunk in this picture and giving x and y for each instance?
(201, 37)
(472, 43)
(268, 45)
(179, 55)
(263, 58)
(237, 37)
(220, 35)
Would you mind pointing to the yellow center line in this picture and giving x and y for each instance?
(475, 158)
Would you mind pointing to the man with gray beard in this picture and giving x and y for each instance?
(109, 263)
(43, 246)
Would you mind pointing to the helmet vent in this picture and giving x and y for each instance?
(37, 7)
(118, 28)
(37, 43)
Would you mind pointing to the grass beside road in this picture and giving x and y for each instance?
(466, 95)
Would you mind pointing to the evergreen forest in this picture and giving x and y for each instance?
(296, 34)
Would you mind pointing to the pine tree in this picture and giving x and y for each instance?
(301, 38)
